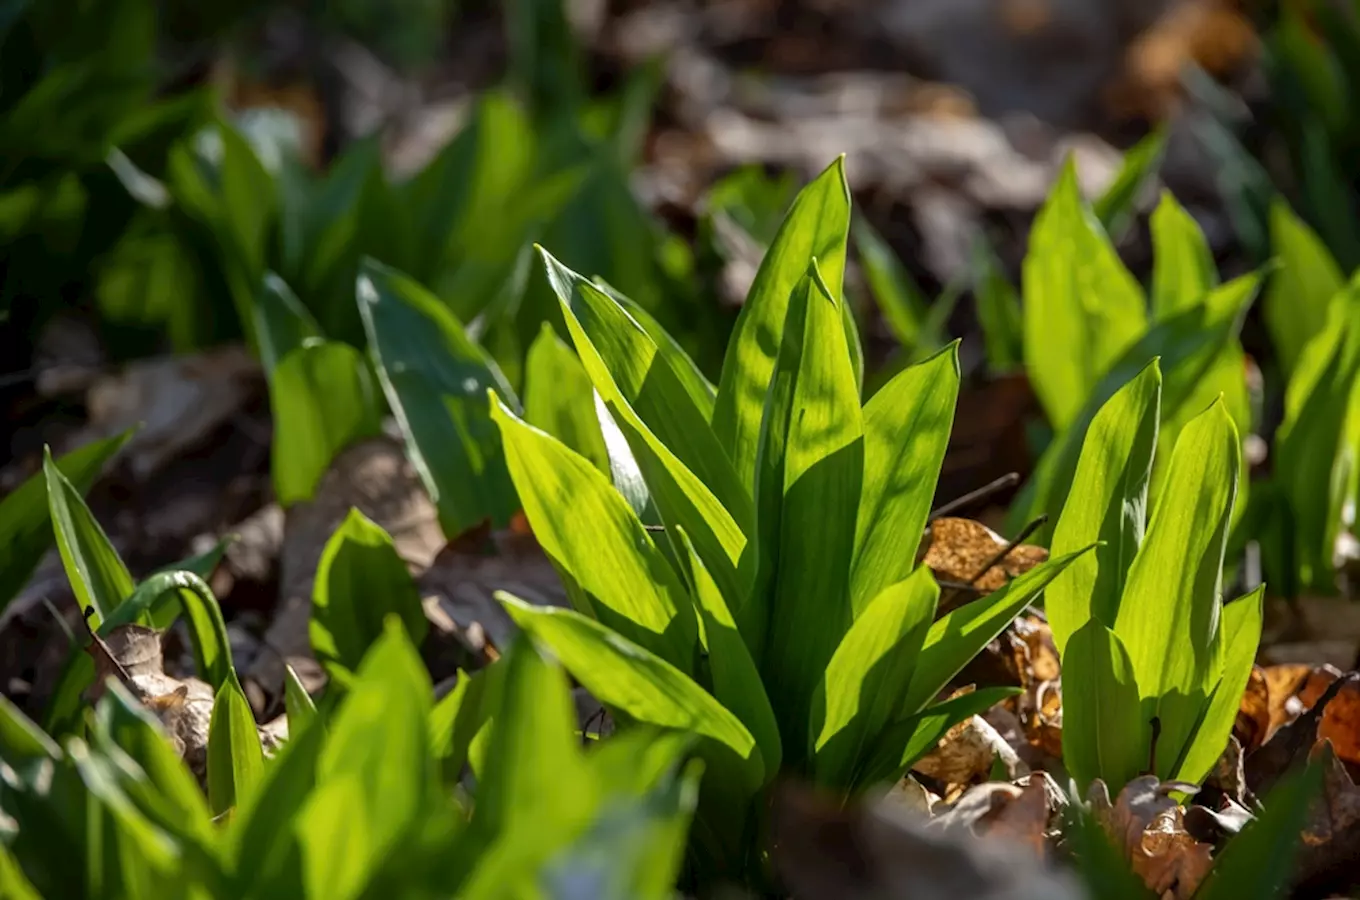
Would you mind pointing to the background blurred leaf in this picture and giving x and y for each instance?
(323, 401)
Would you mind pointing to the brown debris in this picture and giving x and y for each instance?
(965, 756)
(960, 551)
(1148, 827)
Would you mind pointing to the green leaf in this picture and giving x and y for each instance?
(642, 686)
(1240, 632)
(535, 794)
(1104, 736)
(1115, 207)
(97, 574)
(25, 516)
(899, 297)
(1259, 861)
(688, 475)
(1168, 614)
(262, 845)
(596, 541)
(960, 634)
(736, 679)
(297, 703)
(436, 380)
(375, 775)
(1315, 449)
(235, 758)
(909, 739)
(360, 581)
(13, 883)
(696, 385)
(998, 310)
(282, 323)
(811, 470)
(207, 629)
(816, 225)
(1107, 502)
(168, 793)
(1183, 268)
(1302, 288)
(1082, 307)
(857, 698)
(558, 397)
(634, 849)
(906, 432)
(323, 401)
(1188, 346)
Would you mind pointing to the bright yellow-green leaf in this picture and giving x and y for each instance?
(1301, 289)
(1082, 307)
(360, 581)
(960, 634)
(97, 574)
(25, 517)
(858, 697)
(906, 432)
(596, 540)
(297, 702)
(558, 397)
(1107, 502)
(1169, 614)
(644, 687)
(1183, 269)
(817, 225)
(1104, 735)
(1240, 633)
(811, 470)
(235, 758)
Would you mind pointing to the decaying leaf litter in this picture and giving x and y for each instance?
(362, 507)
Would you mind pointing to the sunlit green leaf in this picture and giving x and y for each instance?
(1183, 269)
(1104, 735)
(816, 226)
(97, 574)
(1301, 289)
(235, 759)
(360, 581)
(1082, 307)
(558, 397)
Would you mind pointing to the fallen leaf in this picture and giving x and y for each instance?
(1291, 744)
(1253, 724)
(1340, 722)
(966, 755)
(966, 552)
(467, 572)
(1331, 835)
(1023, 813)
(177, 401)
(1148, 826)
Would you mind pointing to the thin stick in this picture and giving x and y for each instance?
(1006, 550)
(1010, 479)
(98, 641)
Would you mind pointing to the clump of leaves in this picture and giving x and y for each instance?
(781, 616)
(1154, 663)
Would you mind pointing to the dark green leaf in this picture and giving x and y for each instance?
(1104, 735)
(235, 759)
(97, 575)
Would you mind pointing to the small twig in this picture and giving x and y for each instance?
(1010, 479)
(1006, 550)
(98, 641)
(654, 529)
(946, 585)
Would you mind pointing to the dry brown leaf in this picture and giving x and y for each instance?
(1020, 813)
(1252, 727)
(177, 401)
(958, 549)
(965, 755)
(1340, 723)
(1331, 834)
(1149, 827)
(464, 577)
